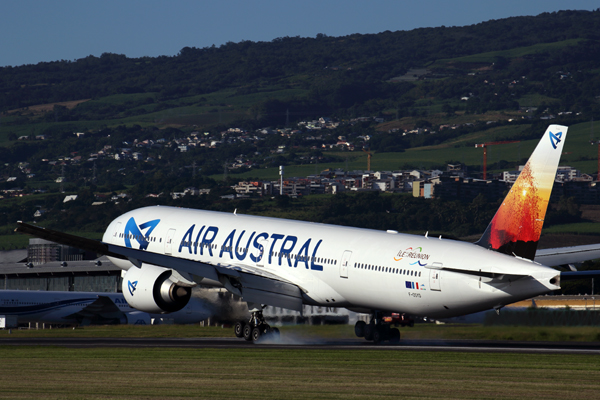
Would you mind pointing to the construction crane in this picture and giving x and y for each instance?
(485, 145)
(368, 158)
(592, 142)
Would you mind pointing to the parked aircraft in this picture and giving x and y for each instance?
(268, 261)
(85, 308)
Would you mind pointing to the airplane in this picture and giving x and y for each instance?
(85, 308)
(166, 251)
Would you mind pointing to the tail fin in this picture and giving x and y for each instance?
(517, 225)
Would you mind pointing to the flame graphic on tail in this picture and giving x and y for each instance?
(517, 225)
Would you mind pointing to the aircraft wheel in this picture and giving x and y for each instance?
(359, 328)
(256, 334)
(248, 332)
(238, 329)
(377, 336)
(394, 335)
(369, 330)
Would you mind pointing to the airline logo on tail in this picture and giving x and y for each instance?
(555, 139)
(133, 231)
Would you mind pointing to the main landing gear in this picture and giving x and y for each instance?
(380, 328)
(255, 328)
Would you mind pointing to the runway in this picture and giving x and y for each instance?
(486, 346)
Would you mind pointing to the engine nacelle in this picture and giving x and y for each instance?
(152, 289)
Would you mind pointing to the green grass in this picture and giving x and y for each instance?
(123, 331)
(456, 332)
(263, 373)
(535, 100)
(312, 333)
(12, 242)
(584, 228)
(490, 57)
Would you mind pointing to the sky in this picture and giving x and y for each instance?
(33, 31)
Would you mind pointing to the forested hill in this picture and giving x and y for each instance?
(301, 62)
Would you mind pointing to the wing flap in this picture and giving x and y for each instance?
(258, 289)
(272, 299)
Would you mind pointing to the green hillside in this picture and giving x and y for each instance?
(157, 125)
(518, 52)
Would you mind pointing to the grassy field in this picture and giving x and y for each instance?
(309, 333)
(12, 242)
(265, 373)
(490, 57)
(583, 228)
(158, 373)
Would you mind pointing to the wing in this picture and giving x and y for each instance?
(94, 246)
(253, 284)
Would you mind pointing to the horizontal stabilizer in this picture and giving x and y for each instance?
(567, 255)
(572, 275)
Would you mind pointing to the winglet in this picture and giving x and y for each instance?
(517, 225)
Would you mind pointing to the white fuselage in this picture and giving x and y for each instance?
(339, 266)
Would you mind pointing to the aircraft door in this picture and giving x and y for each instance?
(344, 264)
(435, 277)
(169, 241)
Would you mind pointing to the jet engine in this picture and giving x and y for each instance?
(156, 290)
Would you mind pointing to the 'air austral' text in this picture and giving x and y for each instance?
(203, 240)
